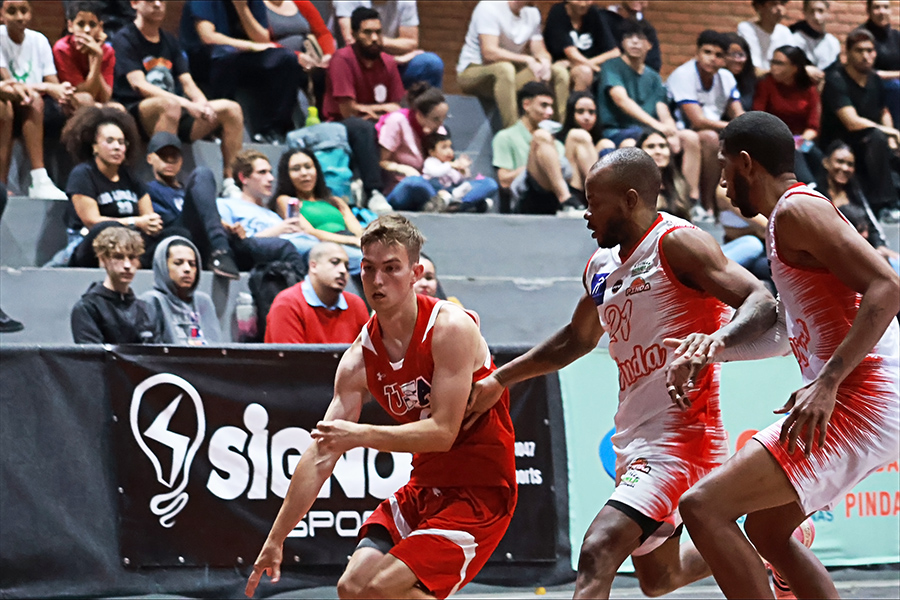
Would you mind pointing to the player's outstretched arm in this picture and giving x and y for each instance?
(564, 347)
(698, 262)
(811, 233)
(315, 466)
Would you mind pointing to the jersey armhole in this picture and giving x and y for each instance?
(775, 234)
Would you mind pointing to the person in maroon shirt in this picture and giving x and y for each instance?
(789, 93)
(318, 310)
(83, 58)
(363, 84)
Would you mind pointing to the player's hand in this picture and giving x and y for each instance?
(484, 395)
(692, 354)
(337, 436)
(810, 407)
(268, 562)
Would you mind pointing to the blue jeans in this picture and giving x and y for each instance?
(411, 194)
(426, 67)
(304, 243)
(481, 189)
(744, 250)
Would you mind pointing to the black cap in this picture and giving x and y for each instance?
(162, 139)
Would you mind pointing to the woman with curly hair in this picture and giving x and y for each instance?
(322, 215)
(102, 191)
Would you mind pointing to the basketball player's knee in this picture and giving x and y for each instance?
(595, 551)
(660, 585)
(691, 506)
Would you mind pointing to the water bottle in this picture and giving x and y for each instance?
(312, 116)
(245, 317)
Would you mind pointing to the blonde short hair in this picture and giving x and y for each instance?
(395, 229)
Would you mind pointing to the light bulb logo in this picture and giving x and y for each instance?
(167, 505)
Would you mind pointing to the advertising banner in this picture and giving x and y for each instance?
(206, 443)
(864, 526)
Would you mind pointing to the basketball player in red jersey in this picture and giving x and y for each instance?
(838, 301)
(418, 357)
(653, 274)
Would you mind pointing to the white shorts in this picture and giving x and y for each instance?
(652, 485)
(863, 436)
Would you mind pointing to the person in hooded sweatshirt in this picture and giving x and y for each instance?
(184, 315)
(109, 312)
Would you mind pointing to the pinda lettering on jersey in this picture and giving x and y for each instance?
(642, 363)
(243, 458)
(872, 504)
(800, 344)
(637, 286)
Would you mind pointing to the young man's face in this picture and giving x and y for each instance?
(817, 14)
(771, 12)
(85, 23)
(635, 47)
(182, 265)
(165, 162)
(258, 184)
(369, 38)
(152, 11)
(862, 56)
(387, 276)
(710, 58)
(537, 109)
(330, 269)
(121, 265)
(881, 13)
(16, 16)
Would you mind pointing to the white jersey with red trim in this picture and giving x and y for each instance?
(640, 303)
(864, 430)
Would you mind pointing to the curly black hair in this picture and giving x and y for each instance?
(80, 133)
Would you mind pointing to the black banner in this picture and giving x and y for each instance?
(206, 442)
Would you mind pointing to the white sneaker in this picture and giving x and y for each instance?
(44, 189)
(230, 189)
(378, 204)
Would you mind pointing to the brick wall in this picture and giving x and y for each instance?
(444, 23)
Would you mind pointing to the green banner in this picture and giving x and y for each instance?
(862, 529)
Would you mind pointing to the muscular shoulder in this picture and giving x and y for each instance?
(455, 332)
(688, 250)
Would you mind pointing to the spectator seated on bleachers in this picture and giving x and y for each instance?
(706, 95)
(84, 58)
(854, 110)
(115, 14)
(633, 10)
(363, 85)
(32, 100)
(765, 33)
(428, 283)
(887, 45)
(318, 310)
(789, 93)
(504, 50)
(294, 25)
(327, 218)
(224, 248)
(580, 40)
(582, 115)
(452, 179)
(632, 97)
(249, 216)
(228, 44)
(102, 190)
(153, 83)
(184, 315)
(400, 23)
(109, 312)
(543, 176)
(740, 64)
(674, 193)
(821, 48)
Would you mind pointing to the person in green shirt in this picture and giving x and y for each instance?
(543, 175)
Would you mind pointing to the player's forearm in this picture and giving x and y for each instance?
(561, 349)
(309, 476)
(426, 435)
(757, 314)
(879, 306)
(772, 342)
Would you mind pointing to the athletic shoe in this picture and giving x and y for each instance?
(378, 204)
(8, 324)
(570, 208)
(44, 189)
(223, 265)
(435, 205)
(805, 534)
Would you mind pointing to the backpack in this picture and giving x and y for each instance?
(267, 281)
(328, 141)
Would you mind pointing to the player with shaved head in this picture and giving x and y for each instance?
(654, 277)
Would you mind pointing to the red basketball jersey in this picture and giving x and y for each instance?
(480, 456)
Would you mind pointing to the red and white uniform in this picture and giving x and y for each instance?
(864, 431)
(661, 451)
(449, 518)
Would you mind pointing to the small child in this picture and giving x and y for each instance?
(83, 58)
(452, 179)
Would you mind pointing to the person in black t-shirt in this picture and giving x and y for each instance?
(887, 43)
(854, 110)
(102, 192)
(579, 38)
(153, 83)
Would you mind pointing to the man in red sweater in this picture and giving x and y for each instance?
(318, 310)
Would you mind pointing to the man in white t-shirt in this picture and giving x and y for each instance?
(504, 50)
(706, 95)
(26, 59)
(766, 33)
(400, 28)
(821, 48)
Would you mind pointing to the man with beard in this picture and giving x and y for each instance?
(839, 298)
(654, 276)
(364, 84)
